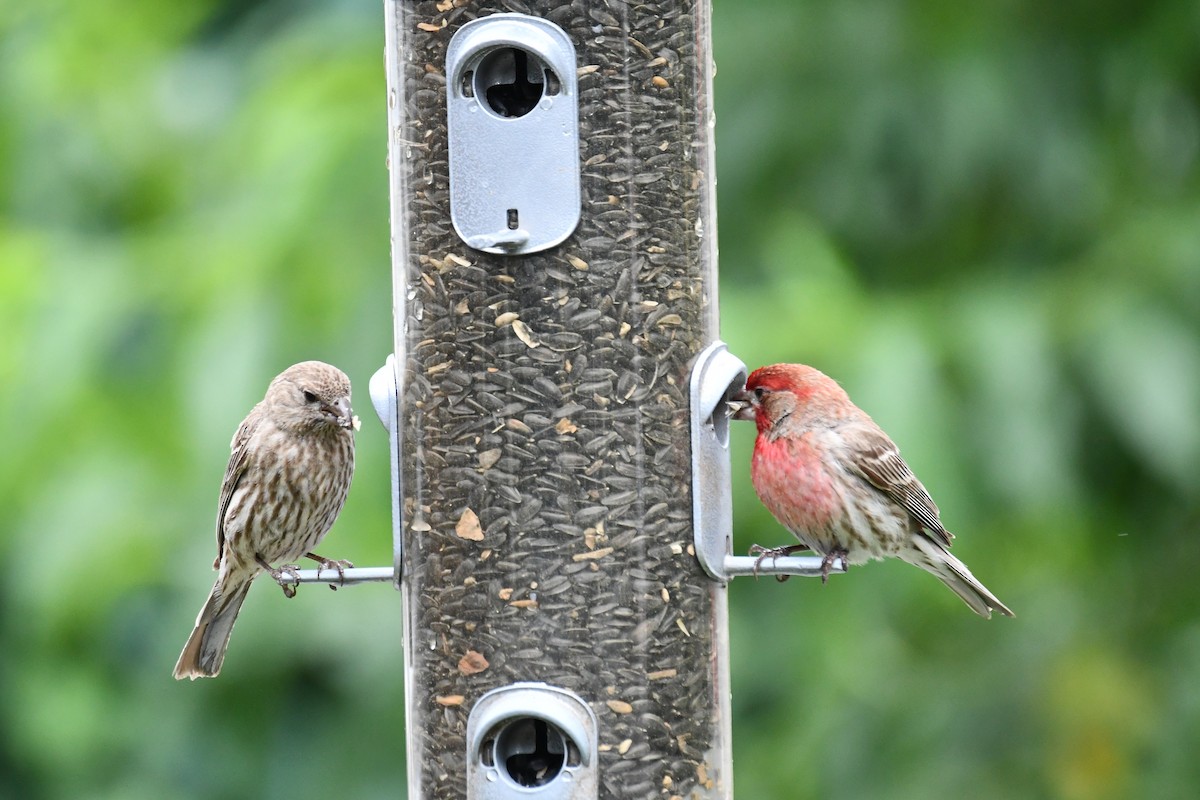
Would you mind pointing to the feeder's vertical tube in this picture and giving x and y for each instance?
(545, 500)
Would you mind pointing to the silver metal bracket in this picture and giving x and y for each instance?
(385, 396)
(716, 375)
(513, 120)
(532, 741)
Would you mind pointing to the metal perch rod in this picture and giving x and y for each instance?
(805, 566)
(348, 577)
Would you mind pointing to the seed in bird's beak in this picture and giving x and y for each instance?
(741, 406)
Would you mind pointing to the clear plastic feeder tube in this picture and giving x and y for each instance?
(545, 505)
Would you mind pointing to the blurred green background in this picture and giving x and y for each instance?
(984, 219)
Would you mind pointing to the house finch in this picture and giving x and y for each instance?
(833, 478)
(288, 475)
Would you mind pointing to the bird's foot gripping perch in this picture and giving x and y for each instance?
(774, 553)
(341, 565)
(287, 576)
(833, 556)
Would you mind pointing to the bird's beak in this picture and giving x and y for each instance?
(343, 414)
(741, 405)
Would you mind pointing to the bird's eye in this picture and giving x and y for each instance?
(759, 392)
(309, 397)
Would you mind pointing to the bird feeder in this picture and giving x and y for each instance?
(556, 401)
(554, 279)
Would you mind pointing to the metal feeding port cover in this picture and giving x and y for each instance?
(513, 121)
(716, 375)
(385, 393)
(532, 741)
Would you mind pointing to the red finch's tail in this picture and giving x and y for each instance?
(205, 648)
(932, 558)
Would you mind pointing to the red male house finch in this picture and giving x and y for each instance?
(292, 461)
(832, 477)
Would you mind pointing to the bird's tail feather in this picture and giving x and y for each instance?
(932, 558)
(205, 648)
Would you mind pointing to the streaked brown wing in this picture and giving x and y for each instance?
(234, 472)
(877, 459)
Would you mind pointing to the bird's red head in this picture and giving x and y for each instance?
(782, 392)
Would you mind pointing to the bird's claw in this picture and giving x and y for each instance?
(339, 564)
(762, 553)
(828, 561)
(288, 578)
(773, 553)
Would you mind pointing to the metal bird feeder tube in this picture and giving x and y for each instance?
(562, 638)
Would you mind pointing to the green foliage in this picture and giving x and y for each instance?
(982, 219)
(983, 224)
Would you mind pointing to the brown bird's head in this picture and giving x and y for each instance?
(793, 395)
(310, 396)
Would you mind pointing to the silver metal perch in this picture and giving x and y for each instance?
(804, 566)
(348, 577)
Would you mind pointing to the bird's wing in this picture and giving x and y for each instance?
(233, 472)
(876, 458)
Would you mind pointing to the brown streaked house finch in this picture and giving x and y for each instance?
(833, 478)
(288, 475)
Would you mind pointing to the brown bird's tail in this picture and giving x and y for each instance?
(932, 558)
(205, 648)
